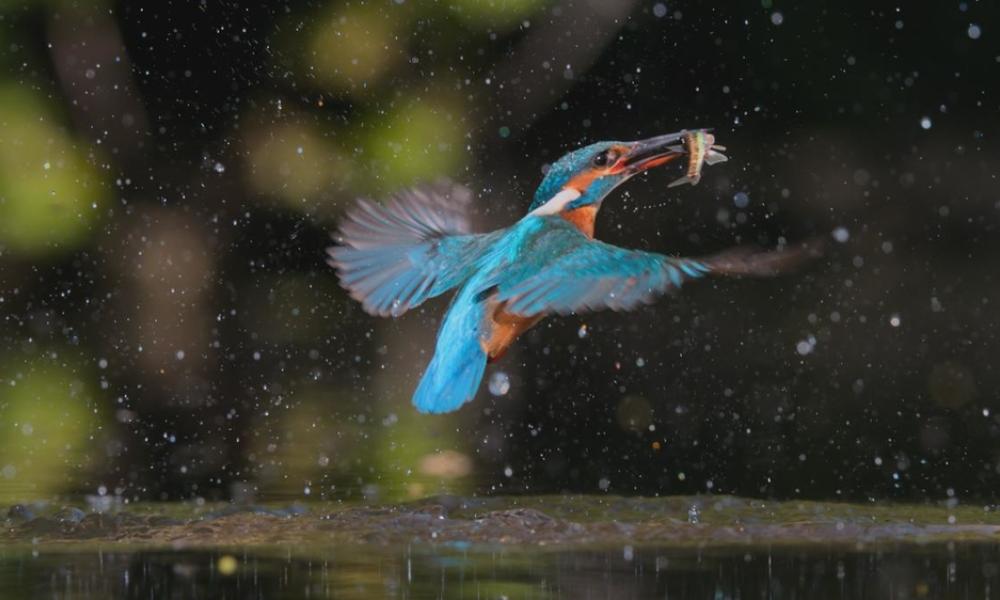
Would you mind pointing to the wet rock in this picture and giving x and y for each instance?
(518, 524)
(237, 509)
(286, 513)
(451, 502)
(523, 518)
(94, 525)
(20, 512)
(40, 526)
(418, 520)
(434, 511)
(163, 521)
(225, 511)
(70, 514)
(357, 516)
(457, 522)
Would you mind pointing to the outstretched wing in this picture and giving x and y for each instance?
(588, 275)
(418, 245)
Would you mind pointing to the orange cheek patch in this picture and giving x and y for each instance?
(582, 181)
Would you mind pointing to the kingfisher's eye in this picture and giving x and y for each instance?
(602, 159)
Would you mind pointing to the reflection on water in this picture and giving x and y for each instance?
(435, 571)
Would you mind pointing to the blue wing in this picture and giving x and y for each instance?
(582, 274)
(418, 245)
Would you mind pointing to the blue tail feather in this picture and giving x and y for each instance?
(456, 370)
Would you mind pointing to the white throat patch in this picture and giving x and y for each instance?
(557, 203)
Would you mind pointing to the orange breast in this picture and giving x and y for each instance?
(583, 218)
(504, 328)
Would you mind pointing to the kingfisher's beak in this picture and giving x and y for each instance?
(655, 151)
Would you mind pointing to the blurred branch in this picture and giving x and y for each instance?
(95, 74)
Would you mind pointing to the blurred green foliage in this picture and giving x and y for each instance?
(48, 416)
(494, 13)
(415, 140)
(293, 163)
(50, 195)
(306, 451)
(414, 456)
(352, 48)
(311, 449)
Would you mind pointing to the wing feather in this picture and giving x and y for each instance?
(565, 272)
(418, 245)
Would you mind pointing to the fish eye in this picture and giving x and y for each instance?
(602, 159)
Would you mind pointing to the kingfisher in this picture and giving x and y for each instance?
(391, 257)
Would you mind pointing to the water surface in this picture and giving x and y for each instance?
(521, 547)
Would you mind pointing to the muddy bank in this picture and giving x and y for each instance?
(549, 521)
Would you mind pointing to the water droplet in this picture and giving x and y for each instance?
(179, 355)
(219, 167)
(841, 234)
(582, 332)
(659, 10)
(925, 122)
(499, 384)
(974, 31)
(508, 472)
(894, 320)
(694, 515)
(604, 483)
(741, 200)
(777, 18)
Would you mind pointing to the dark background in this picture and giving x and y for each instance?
(170, 329)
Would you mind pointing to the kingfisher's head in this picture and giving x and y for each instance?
(584, 177)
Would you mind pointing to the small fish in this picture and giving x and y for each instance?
(701, 149)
